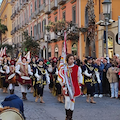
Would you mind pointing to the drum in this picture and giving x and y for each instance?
(10, 114)
(12, 78)
(24, 80)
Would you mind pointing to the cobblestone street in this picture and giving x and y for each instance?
(105, 109)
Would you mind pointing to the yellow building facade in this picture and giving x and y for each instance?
(5, 14)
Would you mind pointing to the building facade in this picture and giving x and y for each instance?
(5, 13)
(113, 47)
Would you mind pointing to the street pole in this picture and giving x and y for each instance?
(47, 48)
(106, 25)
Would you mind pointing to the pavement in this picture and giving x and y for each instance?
(105, 108)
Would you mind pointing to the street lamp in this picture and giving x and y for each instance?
(106, 13)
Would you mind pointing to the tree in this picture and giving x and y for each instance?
(30, 44)
(91, 26)
(3, 29)
(61, 25)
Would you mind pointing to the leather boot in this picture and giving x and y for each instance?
(92, 101)
(37, 97)
(62, 99)
(67, 114)
(12, 91)
(59, 98)
(88, 99)
(70, 114)
(41, 100)
(25, 96)
(4, 89)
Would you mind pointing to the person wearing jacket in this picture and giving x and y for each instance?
(112, 75)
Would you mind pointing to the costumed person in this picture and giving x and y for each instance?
(4, 74)
(71, 83)
(1, 82)
(24, 70)
(89, 79)
(50, 72)
(12, 77)
(42, 79)
(36, 59)
(58, 88)
(33, 68)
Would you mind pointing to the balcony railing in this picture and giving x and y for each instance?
(42, 8)
(47, 9)
(54, 5)
(61, 2)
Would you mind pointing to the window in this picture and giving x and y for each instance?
(35, 5)
(38, 28)
(31, 31)
(31, 9)
(55, 18)
(64, 15)
(74, 14)
(43, 25)
(39, 3)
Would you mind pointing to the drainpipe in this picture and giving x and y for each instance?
(79, 25)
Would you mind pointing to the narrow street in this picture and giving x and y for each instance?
(105, 109)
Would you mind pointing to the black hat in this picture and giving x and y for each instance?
(89, 58)
(40, 60)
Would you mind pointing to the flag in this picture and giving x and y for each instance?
(19, 60)
(28, 57)
(4, 51)
(64, 75)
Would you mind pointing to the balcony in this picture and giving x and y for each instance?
(54, 5)
(47, 9)
(42, 8)
(37, 12)
(61, 2)
(53, 36)
(33, 15)
(25, 2)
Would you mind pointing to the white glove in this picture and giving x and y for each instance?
(99, 81)
(48, 82)
(65, 90)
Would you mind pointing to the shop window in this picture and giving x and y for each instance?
(110, 47)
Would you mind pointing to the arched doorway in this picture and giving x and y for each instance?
(49, 51)
(74, 49)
